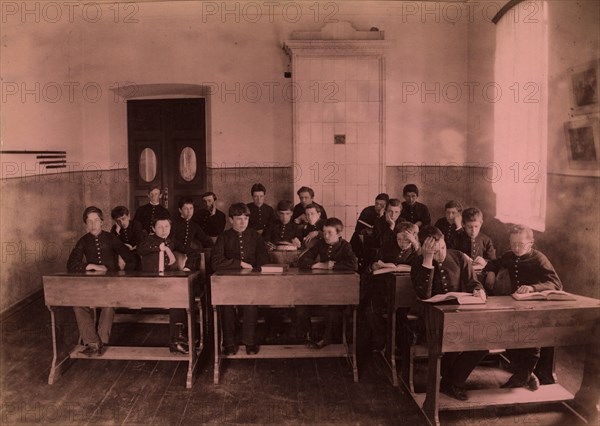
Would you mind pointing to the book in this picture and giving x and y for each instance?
(390, 267)
(274, 268)
(285, 246)
(544, 295)
(462, 298)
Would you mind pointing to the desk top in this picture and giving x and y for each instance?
(290, 271)
(125, 274)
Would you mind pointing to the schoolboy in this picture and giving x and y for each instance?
(261, 214)
(130, 232)
(475, 244)
(146, 213)
(402, 250)
(451, 223)
(187, 236)
(238, 248)
(330, 252)
(306, 196)
(363, 232)
(283, 229)
(412, 210)
(313, 227)
(211, 220)
(383, 231)
(151, 249)
(96, 251)
(440, 270)
(529, 271)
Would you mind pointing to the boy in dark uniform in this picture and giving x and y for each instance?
(261, 214)
(211, 220)
(412, 210)
(157, 245)
(362, 238)
(187, 235)
(130, 232)
(96, 251)
(146, 213)
(306, 195)
(383, 231)
(330, 252)
(238, 248)
(529, 270)
(475, 244)
(313, 227)
(451, 224)
(283, 229)
(439, 270)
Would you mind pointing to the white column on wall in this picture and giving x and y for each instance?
(339, 90)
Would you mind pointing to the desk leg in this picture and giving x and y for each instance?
(217, 345)
(431, 404)
(354, 364)
(390, 350)
(193, 356)
(201, 326)
(60, 349)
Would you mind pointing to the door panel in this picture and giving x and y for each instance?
(166, 136)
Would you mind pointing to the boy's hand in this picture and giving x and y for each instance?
(458, 222)
(170, 255)
(300, 219)
(389, 220)
(480, 261)
(310, 236)
(376, 265)
(245, 265)
(320, 265)
(480, 293)
(129, 246)
(117, 228)
(95, 267)
(162, 246)
(428, 249)
(330, 264)
(413, 240)
(525, 289)
(296, 242)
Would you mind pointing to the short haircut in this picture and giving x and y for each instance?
(431, 231)
(453, 204)
(394, 202)
(335, 223)
(472, 214)
(406, 226)
(119, 211)
(521, 229)
(258, 187)
(239, 209)
(383, 196)
(153, 187)
(411, 187)
(92, 209)
(160, 216)
(313, 206)
(306, 189)
(210, 194)
(285, 205)
(185, 200)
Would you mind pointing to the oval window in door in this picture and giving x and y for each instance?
(187, 164)
(147, 167)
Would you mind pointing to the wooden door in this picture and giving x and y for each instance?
(167, 147)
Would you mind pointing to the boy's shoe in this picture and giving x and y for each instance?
(230, 350)
(453, 391)
(533, 383)
(179, 347)
(516, 381)
(251, 349)
(320, 344)
(93, 349)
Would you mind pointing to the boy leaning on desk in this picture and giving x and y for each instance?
(436, 271)
(529, 271)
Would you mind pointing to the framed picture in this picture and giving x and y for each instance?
(584, 88)
(583, 145)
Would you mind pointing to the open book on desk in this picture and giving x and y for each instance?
(544, 295)
(390, 267)
(274, 268)
(285, 246)
(462, 298)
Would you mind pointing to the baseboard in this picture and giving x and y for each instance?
(23, 303)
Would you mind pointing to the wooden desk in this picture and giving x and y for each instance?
(120, 289)
(294, 287)
(503, 323)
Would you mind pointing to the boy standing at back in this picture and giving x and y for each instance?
(306, 196)
(529, 271)
(261, 214)
(383, 231)
(148, 212)
(238, 248)
(412, 210)
(210, 218)
(96, 251)
(471, 241)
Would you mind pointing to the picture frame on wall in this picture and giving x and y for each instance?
(583, 143)
(585, 87)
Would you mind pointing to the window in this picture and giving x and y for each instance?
(521, 115)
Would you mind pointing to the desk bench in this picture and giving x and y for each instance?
(120, 289)
(291, 288)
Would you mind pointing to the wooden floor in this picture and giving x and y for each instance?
(312, 391)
